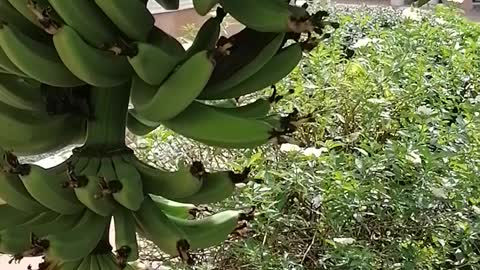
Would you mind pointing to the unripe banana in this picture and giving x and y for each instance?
(216, 187)
(79, 165)
(208, 125)
(209, 231)
(130, 193)
(15, 241)
(268, 15)
(26, 8)
(151, 63)
(255, 110)
(14, 193)
(166, 42)
(12, 216)
(73, 265)
(181, 183)
(10, 15)
(39, 219)
(142, 120)
(94, 263)
(34, 132)
(179, 90)
(125, 235)
(202, 7)
(160, 230)
(107, 262)
(49, 189)
(8, 66)
(59, 224)
(85, 264)
(273, 71)
(245, 64)
(136, 127)
(169, 4)
(17, 93)
(89, 188)
(176, 209)
(28, 55)
(132, 17)
(78, 242)
(88, 20)
(92, 65)
(207, 35)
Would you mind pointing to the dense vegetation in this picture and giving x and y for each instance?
(387, 176)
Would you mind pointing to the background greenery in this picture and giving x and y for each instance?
(390, 177)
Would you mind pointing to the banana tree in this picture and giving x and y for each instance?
(84, 72)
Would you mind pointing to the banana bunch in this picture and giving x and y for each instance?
(64, 212)
(69, 71)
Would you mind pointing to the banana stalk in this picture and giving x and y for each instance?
(106, 129)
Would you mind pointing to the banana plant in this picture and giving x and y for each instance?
(70, 71)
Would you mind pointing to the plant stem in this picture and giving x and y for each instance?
(106, 128)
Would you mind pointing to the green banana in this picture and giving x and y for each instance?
(34, 132)
(151, 63)
(16, 195)
(207, 35)
(125, 235)
(10, 15)
(89, 188)
(130, 192)
(107, 262)
(28, 55)
(17, 93)
(166, 42)
(160, 229)
(142, 120)
(131, 17)
(39, 219)
(59, 224)
(8, 66)
(90, 193)
(79, 165)
(15, 241)
(202, 7)
(85, 264)
(141, 92)
(179, 90)
(268, 15)
(92, 65)
(25, 7)
(94, 264)
(12, 216)
(260, 53)
(88, 20)
(137, 127)
(49, 189)
(209, 125)
(169, 4)
(72, 265)
(273, 71)
(68, 246)
(255, 110)
(216, 187)
(176, 209)
(209, 231)
(181, 183)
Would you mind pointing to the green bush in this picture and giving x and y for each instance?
(396, 183)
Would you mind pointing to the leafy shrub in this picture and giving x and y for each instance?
(395, 182)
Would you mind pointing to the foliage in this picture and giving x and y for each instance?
(390, 178)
